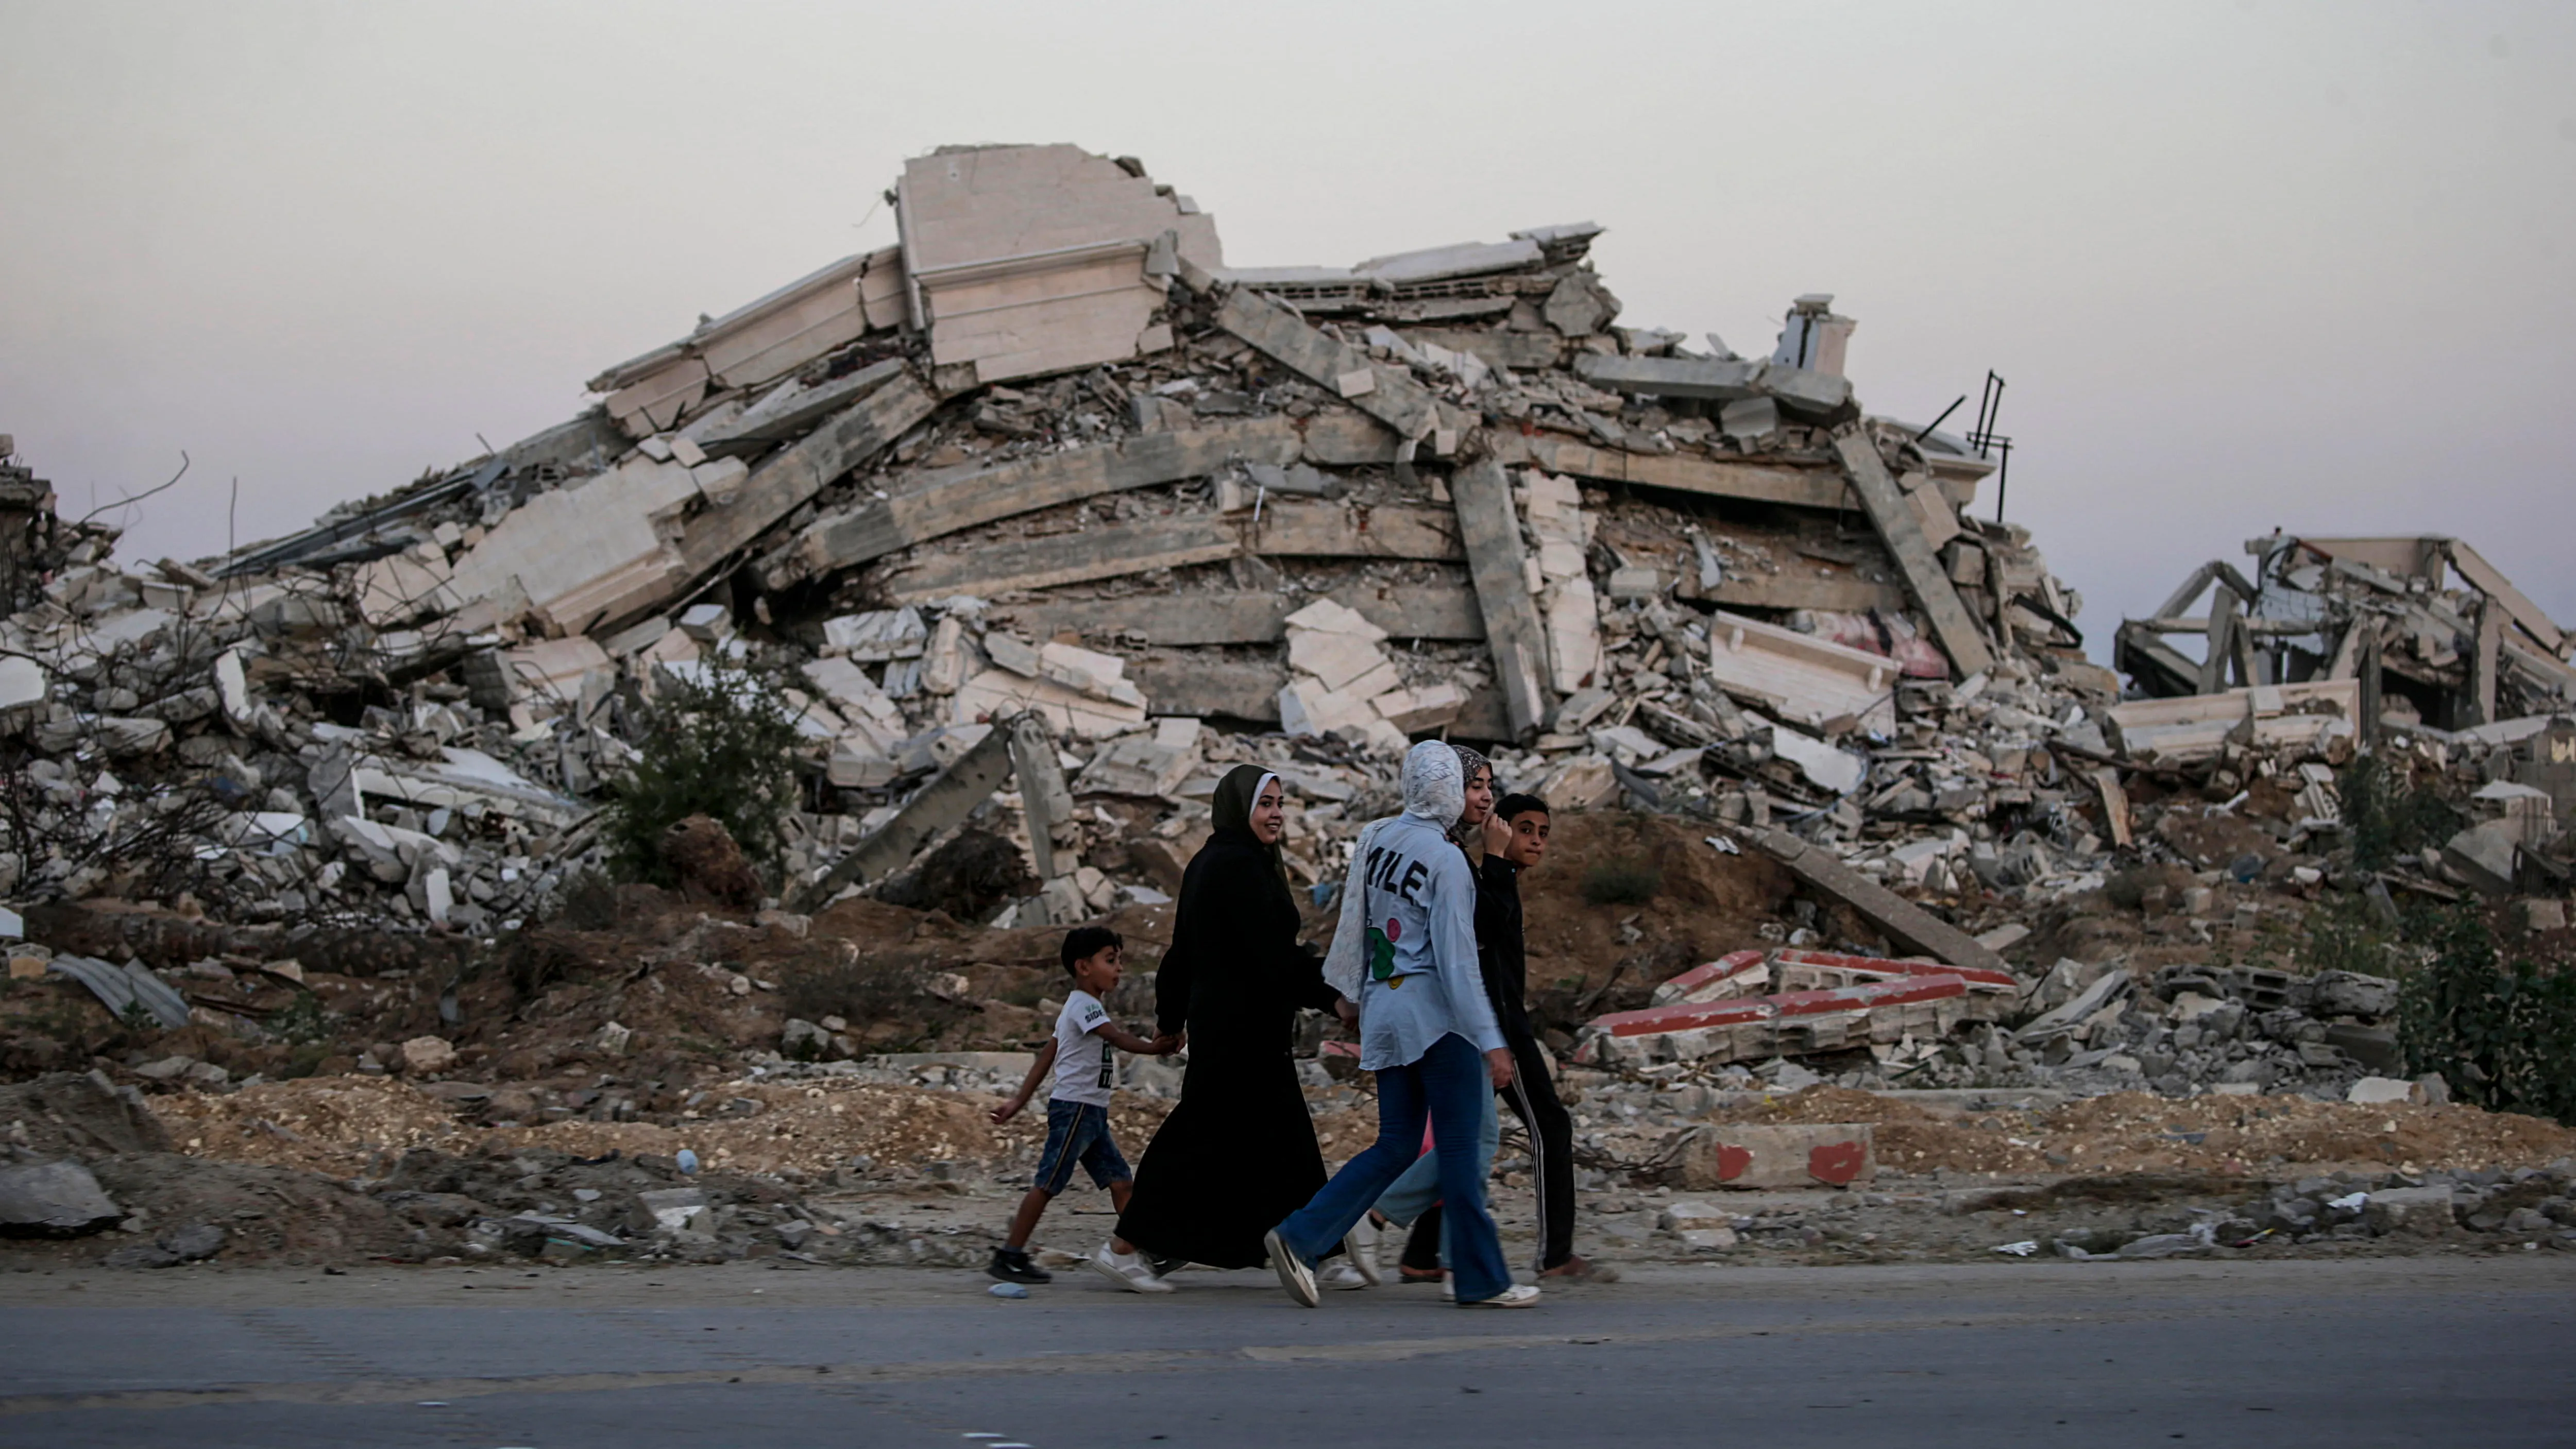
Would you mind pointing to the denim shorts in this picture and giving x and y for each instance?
(1078, 1132)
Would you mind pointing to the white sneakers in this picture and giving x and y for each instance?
(1360, 1244)
(1519, 1295)
(1294, 1275)
(1127, 1270)
(1341, 1276)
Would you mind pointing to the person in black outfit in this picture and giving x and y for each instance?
(1516, 841)
(1238, 1153)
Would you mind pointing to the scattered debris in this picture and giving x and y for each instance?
(1037, 521)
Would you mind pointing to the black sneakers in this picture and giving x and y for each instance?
(1012, 1265)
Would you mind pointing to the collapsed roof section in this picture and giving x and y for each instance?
(2430, 631)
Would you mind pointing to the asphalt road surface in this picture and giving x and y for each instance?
(2444, 1350)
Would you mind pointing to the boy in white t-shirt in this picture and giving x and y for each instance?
(1078, 1107)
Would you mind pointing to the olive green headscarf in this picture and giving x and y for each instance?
(1231, 808)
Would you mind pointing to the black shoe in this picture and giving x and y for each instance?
(1165, 1267)
(1012, 1265)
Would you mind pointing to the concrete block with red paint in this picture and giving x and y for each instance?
(1790, 1155)
(1817, 1001)
(1742, 973)
(1789, 1024)
(1992, 995)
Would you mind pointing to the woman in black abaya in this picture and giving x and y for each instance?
(1238, 1153)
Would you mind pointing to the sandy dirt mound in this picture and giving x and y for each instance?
(354, 1126)
(1704, 905)
(2135, 1132)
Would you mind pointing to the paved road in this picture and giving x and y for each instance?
(2462, 1351)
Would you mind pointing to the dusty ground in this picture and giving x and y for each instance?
(351, 1126)
(305, 1171)
(591, 1050)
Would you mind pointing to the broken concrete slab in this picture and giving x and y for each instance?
(1149, 763)
(1027, 260)
(53, 1199)
(131, 989)
(461, 778)
(1793, 1155)
(1804, 487)
(1799, 677)
(402, 587)
(792, 409)
(1301, 529)
(752, 345)
(1837, 772)
(1579, 305)
(2196, 727)
(1242, 617)
(1237, 689)
(945, 502)
(1490, 532)
(946, 801)
(1673, 376)
(579, 554)
(877, 635)
(1094, 553)
(1000, 693)
(1925, 578)
(794, 474)
(23, 682)
(1391, 397)
(1904, 922)
(1046, 804)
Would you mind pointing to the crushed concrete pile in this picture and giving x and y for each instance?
(1436, 492)
(1040, 519)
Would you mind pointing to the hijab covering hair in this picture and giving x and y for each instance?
(1435, 793)
(1435, 784)
(1469, 762)
(1231, 808)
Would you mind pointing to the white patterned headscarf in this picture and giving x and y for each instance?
(1435, 784)
(1435, 793)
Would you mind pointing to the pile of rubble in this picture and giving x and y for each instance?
(1050, 455)
(1042, 518)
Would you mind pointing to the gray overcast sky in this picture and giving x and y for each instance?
(2244, 263)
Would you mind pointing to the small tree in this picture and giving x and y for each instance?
(721, 745)
(2503, 1037)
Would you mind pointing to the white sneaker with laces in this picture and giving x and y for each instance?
(1293, 1273)
(1360, 1244)
(1127, 1270)
(1340, 1276)
(1519, 1295)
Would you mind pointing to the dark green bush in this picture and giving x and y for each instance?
(2503, 1037)
(1622, 882)
(724, 747)
(2385, 816)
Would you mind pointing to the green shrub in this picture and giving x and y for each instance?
(1622, 882)
(2342, 932)
(2385, 816)
(724, 747)
(2503, 1037)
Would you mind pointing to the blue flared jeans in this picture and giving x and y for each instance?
(1449, 1085)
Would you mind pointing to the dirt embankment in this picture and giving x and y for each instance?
(1591, 951)
(2138, 1132)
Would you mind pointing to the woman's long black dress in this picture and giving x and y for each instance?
(1238, 1154)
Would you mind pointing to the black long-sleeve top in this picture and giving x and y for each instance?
(1500, 950)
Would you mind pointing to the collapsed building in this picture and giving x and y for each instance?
(1044, 516)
